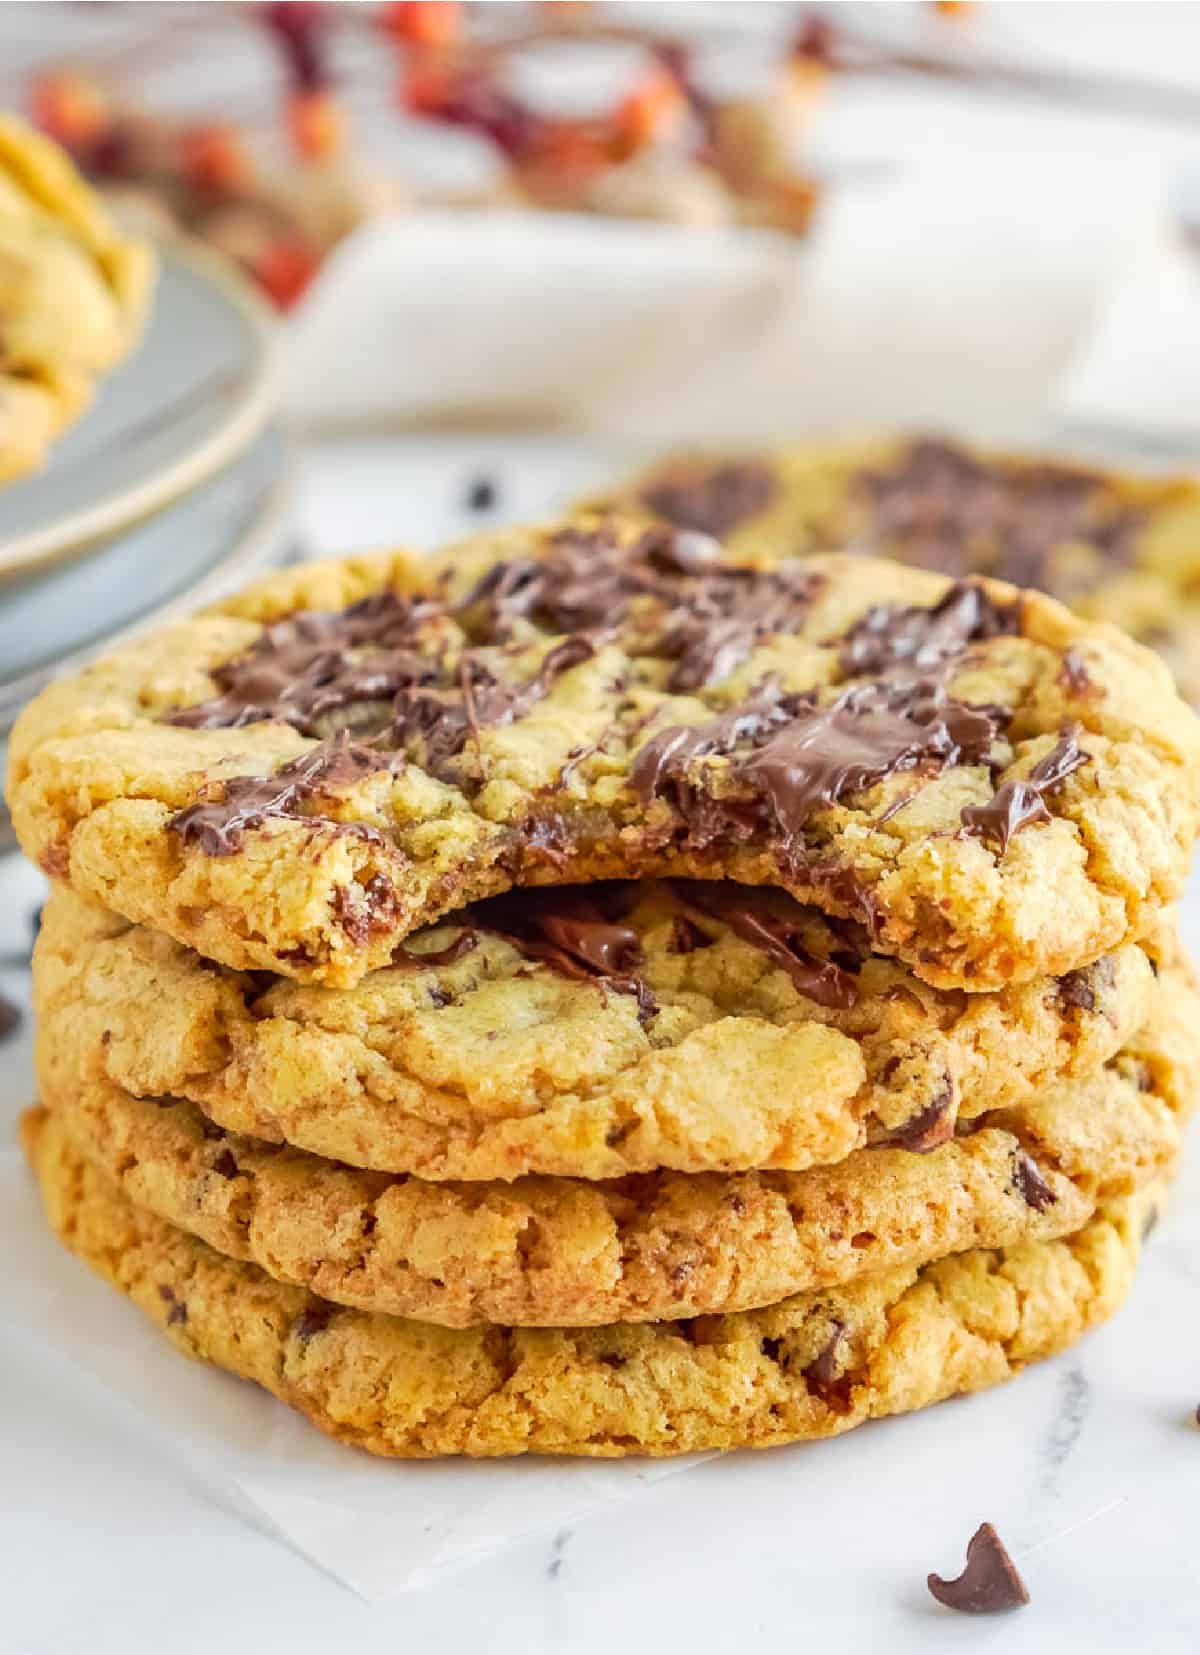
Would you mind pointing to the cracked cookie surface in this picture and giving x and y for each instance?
(812, 1366)
(73, 295)
(659, 1246)
(300, 780)
(590, 1032)
(1113, 545)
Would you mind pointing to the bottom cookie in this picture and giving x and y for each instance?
(812, 1366)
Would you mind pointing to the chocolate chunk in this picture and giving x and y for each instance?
(482, 494)
(687, 937)
(1030, 1185)
(313, 1319)
(925, 639)
(822, 1372)
(363, 911)
(713, 500)
(942, 508)
(1017, 804)
(566, 930)
(10, 1017)
(218, 826)
(780, 939)
(989, 1584)
(1075, 989)
(314, 663)
(454, 951)
(928, 1128)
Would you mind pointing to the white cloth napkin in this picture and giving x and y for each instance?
(380, 1527)
(963, 296)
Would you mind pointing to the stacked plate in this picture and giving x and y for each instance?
(169, 492)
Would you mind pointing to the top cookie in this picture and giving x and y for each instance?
(73, 294)
(1114, 546)
(298, 780)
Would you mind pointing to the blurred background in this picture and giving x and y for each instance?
(427, 267)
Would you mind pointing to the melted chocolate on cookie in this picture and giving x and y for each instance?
(943, 508)
(713, 500)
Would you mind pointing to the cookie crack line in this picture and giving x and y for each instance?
(893, 746)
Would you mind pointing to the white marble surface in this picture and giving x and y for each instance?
(1088, 1466)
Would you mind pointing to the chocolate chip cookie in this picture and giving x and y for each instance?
(812, 1366)
(660, 1246)
(73, 295)
(298, 781)
(587, 1031)
(1112, 545)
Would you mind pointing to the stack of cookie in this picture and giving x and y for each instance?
(589, 994)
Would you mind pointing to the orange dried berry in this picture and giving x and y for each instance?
(314, 124)
(422, 22)
(424, 87)
(284, 269)
(70, 107)
(647, 111)
(214, 159)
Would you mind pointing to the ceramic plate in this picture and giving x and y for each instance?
(187, 402)
(215, 538)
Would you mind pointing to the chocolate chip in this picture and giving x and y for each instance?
(1075, 989)
(821, 1373)
(11, 1017)
(178, 1311)
(930, 1127)
(314, 1319)
(482, 494)
(1030, 1185)
(989, 1584)
(565, 929)
(226, 1165)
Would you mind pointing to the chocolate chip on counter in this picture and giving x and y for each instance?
(11, 1018)
(482, 493)
(989, 1584)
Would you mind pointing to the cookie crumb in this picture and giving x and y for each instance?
(482, 493)
(990, 1583)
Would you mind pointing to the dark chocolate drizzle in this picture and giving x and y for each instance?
(218, 825)
(314, 663)
(928, 1128)
(1030, 1185)
(1015, 804)
(990, 1583)
(942, 508)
